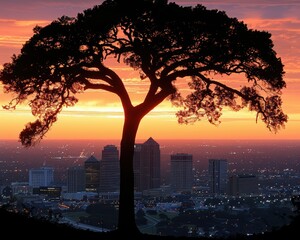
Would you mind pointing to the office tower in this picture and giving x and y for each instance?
(218, 178)
(20, 188)
(110, 169)
(76, 179)
(147, 165)
(92, 174)
(181, 172)
(243, 184)
(41, 177)
(137, 166)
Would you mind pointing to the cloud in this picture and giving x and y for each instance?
(256, 8)
(14, 33)
(46, 9)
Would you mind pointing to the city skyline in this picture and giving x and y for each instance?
(101, 114)
(262, 198)
(245, 156)
(235, 162)
(234, 174)
(258, 173)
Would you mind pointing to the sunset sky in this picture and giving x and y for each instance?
(100, 116)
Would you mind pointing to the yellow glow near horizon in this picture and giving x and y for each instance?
(107, 122)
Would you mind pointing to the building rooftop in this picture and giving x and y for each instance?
(92, 159)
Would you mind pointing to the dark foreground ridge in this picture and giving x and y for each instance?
(18, 225)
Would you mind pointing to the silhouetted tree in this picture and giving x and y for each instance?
(166, 43)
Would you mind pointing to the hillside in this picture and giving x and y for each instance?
(16, 225)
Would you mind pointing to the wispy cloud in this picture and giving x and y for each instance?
(14, 33)
(256, 8)
(47, 9)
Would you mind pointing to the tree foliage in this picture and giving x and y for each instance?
(67, 57)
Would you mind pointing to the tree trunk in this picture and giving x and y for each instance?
(126, 221)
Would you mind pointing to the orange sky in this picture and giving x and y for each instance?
(98, 115)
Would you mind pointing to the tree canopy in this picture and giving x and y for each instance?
(165, 43)
(67, 57)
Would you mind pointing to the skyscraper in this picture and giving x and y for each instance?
(147, 165)
(218, 177)
(110, 169)
(76, 179)
(137, 166)
(92, 174)
(41, 177)
(181, 172)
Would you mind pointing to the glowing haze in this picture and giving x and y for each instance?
(99, 115)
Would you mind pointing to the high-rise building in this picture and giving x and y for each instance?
(110, 169)
(76, 179)
(147, 165)
(243, 184)
(41, 177)
(137, 166)
(20, 188)
(92, 174)
(218, 176)
(181, 172)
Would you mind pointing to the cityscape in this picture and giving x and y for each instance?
(144, 70)
(213, 188)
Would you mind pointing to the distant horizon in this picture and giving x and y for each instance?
(162, 139)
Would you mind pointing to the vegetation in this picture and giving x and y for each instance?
(14, 225)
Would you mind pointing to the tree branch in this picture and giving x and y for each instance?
(239, 93)
(152, 100)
